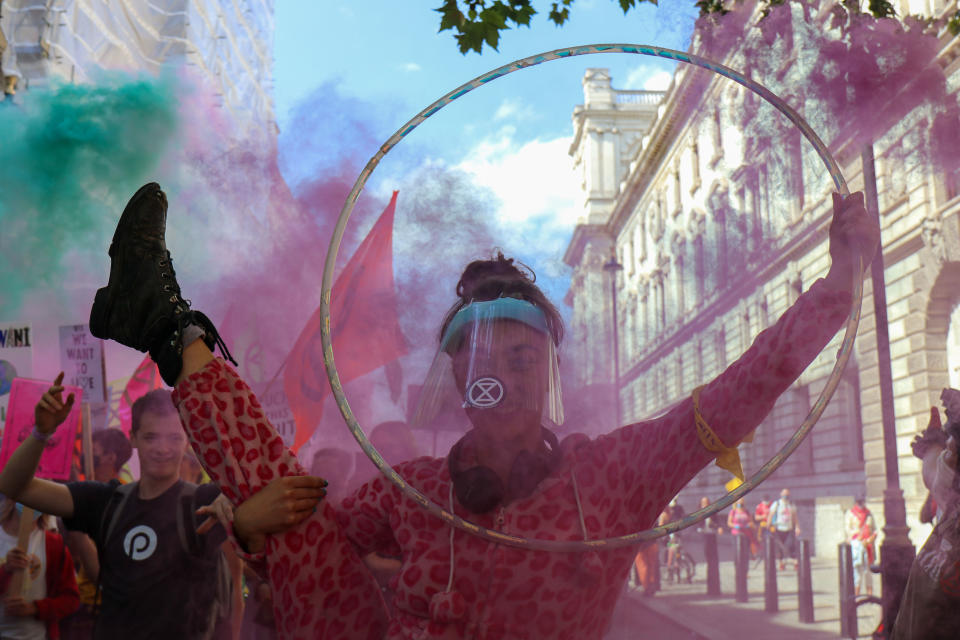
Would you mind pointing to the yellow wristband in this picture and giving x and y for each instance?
(727, 457)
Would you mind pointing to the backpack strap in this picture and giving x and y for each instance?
(108, 523)
(189, 540)
(191, 543)
(111, 515)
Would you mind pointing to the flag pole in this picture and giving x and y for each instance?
(277, 374)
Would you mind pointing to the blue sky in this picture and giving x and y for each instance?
(388, 52)
(350, 73)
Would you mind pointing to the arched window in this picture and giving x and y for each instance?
(953, 348)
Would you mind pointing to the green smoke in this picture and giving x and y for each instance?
(70, 156)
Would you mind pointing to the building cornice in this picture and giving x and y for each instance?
(582, 235)
(686, 90)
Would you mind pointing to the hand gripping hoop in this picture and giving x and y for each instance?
(641, 536)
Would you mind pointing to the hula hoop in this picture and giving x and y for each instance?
(641, 536)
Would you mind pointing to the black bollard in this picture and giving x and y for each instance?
(805, 584)
(770, 595)
(848, 609)
(713, 562)
(741, 561)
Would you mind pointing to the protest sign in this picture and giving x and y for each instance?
(16, 360)
(57, 457)
(81, 360)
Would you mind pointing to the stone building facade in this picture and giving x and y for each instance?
(717, 236)
(227, 45)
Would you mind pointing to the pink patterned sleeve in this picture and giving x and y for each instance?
(321, 588)
(651, 461)
(365, 516)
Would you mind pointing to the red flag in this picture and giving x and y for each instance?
(145, 379)
(364, 327)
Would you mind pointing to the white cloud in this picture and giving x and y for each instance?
(534, 191)
(513, 109)
(410, 67)
(648, 77)
(533, 179)
(539, 194)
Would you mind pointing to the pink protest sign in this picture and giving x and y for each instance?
(56, 459)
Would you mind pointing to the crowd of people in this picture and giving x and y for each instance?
(176, 554)
(164, 544)
(767, 518)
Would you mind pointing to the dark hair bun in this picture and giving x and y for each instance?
(494, 278)
(500, 277)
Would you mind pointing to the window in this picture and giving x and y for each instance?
(745, 333)
(699, 268)
(717, 127)
(694, 165)
(661, 305)
(720, 348)
(679, 378)
(951, 185)
(699, 363)
(645, 312)
(677, 189)
(848, 398)
(722, 257)
(678, 278)
(641, 238)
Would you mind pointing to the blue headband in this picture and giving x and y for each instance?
(498, 309)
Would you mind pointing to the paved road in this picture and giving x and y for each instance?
(633, 621)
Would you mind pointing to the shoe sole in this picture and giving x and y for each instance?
(107, 297)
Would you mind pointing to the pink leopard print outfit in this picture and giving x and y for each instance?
(624, 479)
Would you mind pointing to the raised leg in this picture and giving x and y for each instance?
(321, 587)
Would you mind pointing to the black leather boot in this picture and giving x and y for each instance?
(141, 306)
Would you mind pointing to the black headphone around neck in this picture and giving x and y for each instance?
(480, 489)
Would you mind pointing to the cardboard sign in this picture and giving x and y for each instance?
(81, 358)
(16, 361)
(56, 458)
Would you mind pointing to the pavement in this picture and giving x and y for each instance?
(686, 612)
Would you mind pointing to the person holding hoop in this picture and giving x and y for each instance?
(497, 356)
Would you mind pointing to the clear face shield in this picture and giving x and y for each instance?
(496, 368)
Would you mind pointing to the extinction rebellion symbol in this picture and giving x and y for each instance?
(485, 393)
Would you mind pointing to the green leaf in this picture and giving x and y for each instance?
(708, 7)
(524, 14)
(882, 9)
(557, 15)
(953, 26)
(492, 37)
(493, 17)
(450, 15)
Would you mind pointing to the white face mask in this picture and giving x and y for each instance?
(944, 488)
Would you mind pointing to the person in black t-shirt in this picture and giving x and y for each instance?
(152, 586)
(146, 571)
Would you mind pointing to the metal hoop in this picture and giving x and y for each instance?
(641, 536)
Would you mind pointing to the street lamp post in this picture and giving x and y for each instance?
(896, 552)
(613, 267)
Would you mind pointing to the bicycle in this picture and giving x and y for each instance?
(683, 567)
(869, 609)
(869, 617)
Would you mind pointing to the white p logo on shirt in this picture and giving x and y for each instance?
(140, 542)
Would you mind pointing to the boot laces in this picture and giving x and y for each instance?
(169, 274)
(190, 316)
